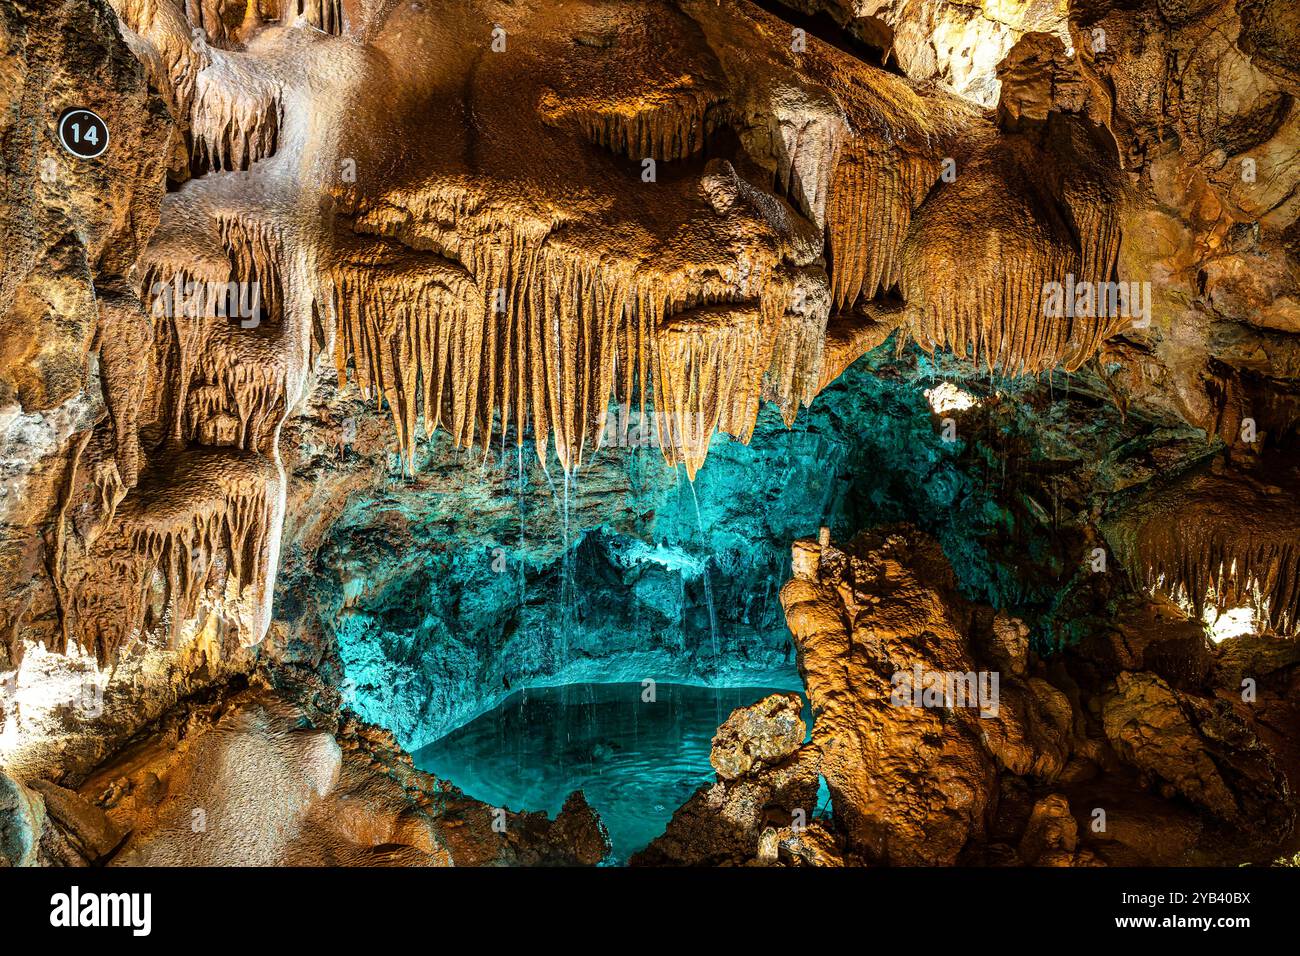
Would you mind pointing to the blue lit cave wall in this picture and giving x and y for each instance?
(444, 592)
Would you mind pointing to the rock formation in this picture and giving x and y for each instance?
(538, 237)
(944, 739)
(762, 806)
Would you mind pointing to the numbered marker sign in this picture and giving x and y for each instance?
(83, 133)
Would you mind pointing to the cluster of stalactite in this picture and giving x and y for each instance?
(199, 524)
(872, 200)
(218, 343)
(184, 527)
(411, 322)
(236, 115)
(232, 104)
(500, 328)
(990, 275)
(709, 363)
(531, 338)
(543, 339)
(1220, 537)
(326, 15)
(675, 129)
(161, 36)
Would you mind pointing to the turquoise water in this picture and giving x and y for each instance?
(637, 761)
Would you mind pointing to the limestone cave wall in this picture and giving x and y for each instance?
(394, 356)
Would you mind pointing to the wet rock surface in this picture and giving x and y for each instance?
(761, 808)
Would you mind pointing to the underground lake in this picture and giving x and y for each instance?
(637, 750)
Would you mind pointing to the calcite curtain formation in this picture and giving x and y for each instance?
(564, 325)
(1215, 537)
(498, 218)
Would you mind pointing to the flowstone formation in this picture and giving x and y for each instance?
(395, 355)
(945, 739)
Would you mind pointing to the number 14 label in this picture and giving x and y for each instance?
(83, 133)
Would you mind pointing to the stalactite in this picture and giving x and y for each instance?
(197, 523)
(161, 36)
(709, 365)
(544, 338)
(1224, 569)
(236, 113)
(236, 400)
(255, 244)
(215, 284)
(994, 259)
(178, 337)
(807, 152)
(232, 100)
(996, 316)
(326, 15)
(531, 340)
(673, 129)
(1222, 537)
(124, 335)
(408, 320)
(871, 203)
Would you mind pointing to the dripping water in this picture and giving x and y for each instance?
(708, 585)
(519, 449)
(566, 563)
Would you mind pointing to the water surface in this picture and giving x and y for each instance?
(636, 760)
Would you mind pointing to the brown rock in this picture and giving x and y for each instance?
(763, 733)
(88, 829)
(1202, 749)
(907, 785)
(762, 803)
(1051, 836)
